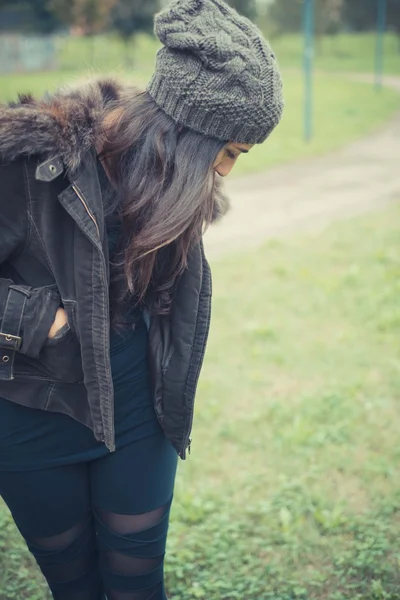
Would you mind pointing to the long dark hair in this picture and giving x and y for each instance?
(163, 195)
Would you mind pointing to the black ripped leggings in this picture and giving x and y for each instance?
(98, 530)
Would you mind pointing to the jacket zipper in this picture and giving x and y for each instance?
(82, 199)
(188, 441)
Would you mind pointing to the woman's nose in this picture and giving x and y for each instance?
(224, 170)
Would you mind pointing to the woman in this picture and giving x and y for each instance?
(105, 294)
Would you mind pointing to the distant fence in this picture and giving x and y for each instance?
(21, 54)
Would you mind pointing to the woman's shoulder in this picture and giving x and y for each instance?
(67, 123)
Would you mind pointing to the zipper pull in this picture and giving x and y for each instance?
(190, 446)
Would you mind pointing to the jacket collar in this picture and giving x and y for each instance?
(66, 124)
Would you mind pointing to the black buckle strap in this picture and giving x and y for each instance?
(10, 340)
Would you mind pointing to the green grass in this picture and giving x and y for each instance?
(108, 53)
(294, 476)
(343, 52)
(292, 490)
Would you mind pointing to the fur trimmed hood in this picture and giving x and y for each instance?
(67, 124)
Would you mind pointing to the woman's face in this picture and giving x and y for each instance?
(228, 156)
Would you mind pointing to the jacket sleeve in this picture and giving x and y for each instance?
(26, 313)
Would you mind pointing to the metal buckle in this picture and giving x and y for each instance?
(11, 338)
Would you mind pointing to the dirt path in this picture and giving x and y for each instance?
(310, 194)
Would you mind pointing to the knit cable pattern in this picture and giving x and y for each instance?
(216, 73)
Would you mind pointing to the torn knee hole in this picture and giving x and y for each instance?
(131, 524)
(62, 540)
(122, 564)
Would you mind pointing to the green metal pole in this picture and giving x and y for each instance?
(380, 39)
(308, 67)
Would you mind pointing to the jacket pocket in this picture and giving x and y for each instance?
(61, 357)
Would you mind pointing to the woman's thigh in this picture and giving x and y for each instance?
(46, 502)
(132, 492)
(52, 510)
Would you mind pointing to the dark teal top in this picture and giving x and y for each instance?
(35, 439)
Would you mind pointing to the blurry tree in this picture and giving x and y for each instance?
(394, 16)
(91, 16)
(63, 10)
(31, 15)
(44, 21)
(248, 8)
(361, 15)
(334, 15)
(129, 17)
(288, 15)
(331, 16)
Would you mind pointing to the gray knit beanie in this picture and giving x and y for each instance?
(216, 74)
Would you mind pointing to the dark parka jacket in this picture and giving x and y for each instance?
(54, 252)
